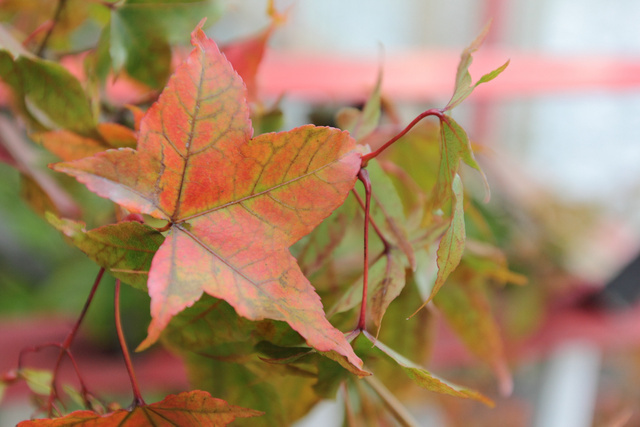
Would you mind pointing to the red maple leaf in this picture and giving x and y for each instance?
(189, 408)
(234, 205)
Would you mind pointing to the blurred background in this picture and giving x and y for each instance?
(559, 138)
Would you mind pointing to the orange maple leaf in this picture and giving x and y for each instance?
(234, 205)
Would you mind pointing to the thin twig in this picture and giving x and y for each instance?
(64, 349)
(373, 223)
(66, 344)
(137, 396)
(56, 18)
(432, 112)
(363, 176)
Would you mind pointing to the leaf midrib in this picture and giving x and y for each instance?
(176, 212)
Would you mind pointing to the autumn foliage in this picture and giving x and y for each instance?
(250, 243)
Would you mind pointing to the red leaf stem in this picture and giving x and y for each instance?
(64, 349)
(432, 112)
(363, 176)
(373, 223)
(137, 396)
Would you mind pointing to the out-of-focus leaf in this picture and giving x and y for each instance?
(464, 86)
(316, 249)
(138, 115)
(270, 388)
(212, 328)
(141, 32)
(48, 92)
(491, 263)
(246, 56)
(266, 121)
(117, 135)
(70, 146)
(361, 123)
(27, 16)
(173, 19)
(125, 249)
(190, 408)
(414, 337)
(40, 189)
(145, 57)
(422, 377)
(36, 197)
(38, 380)
(386, 281)
(466, 307)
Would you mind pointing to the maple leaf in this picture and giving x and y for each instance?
(189, 408)
(464, 87)
(234, 204)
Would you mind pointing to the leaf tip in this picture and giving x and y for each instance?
(198, 37)
(147, 342)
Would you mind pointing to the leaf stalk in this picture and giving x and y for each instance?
(363, 176)
(431, 112)
(137, 396)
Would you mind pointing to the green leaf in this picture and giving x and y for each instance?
(465, 305)
(212, 328)
(452, 243)
(256, 384)
(414, 337)
(316, 249)
(464, 86)
(141, 32)
(454, 146)
(125, 249)
(47, 92)
(424, 378)
(38, 380)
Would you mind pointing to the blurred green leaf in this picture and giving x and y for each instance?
(465, 305)
(38, 380)
(422, 377)
(48, 93)
(142, 31)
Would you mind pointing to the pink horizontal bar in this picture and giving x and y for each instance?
(429, 75)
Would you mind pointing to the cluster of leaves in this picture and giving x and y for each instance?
(236, 234)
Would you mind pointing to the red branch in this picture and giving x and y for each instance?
(64, 349)
(432, 112)
(137, 396)
(363, 176)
